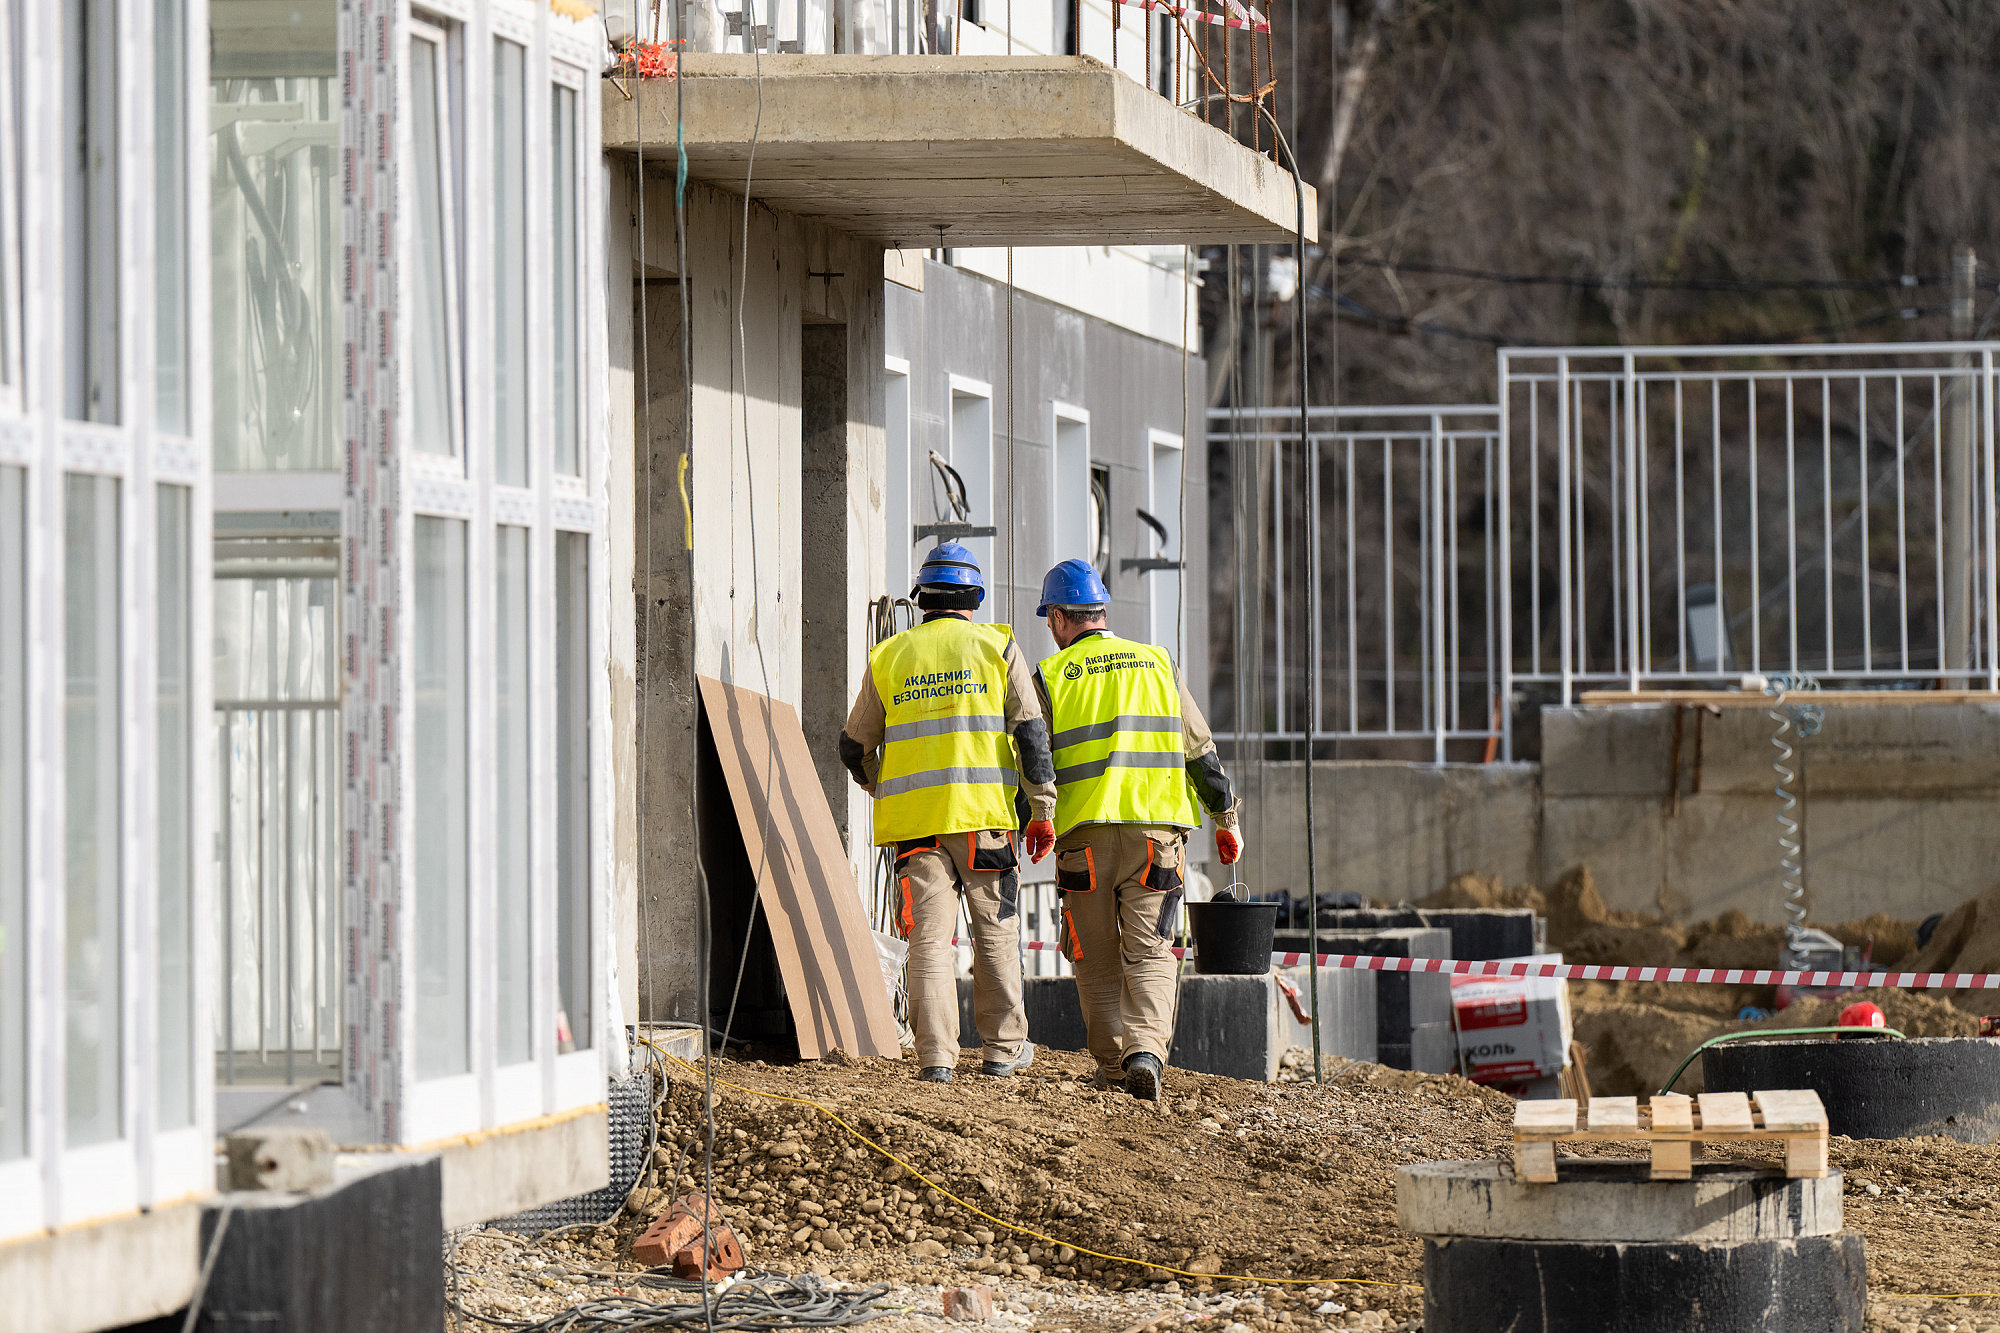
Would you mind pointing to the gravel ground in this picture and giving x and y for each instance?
(1275, 1203)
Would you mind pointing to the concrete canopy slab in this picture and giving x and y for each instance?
(1000, 150)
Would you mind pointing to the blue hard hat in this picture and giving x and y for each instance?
(1072, 583)
(950, 566)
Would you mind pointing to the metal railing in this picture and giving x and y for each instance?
(1670, 516)
(1215, 58)
(277, 851)
(1689, 514)
(1408, 565)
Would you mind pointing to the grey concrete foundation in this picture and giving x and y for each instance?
(1239, 1027)
(1611, 1199)
(1412, 1009)
(1605, 1250)
(1876, 1088)
(1816, 1284)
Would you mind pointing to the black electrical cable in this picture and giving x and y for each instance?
(753, 1305)
(1602, 282)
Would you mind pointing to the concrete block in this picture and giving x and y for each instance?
(359, 1253)
(968, 1304)
(280, 1159)
(1615, 1200)
(1238, 1027)
(1477, 933)
(1618, 750)
(1404, 1001)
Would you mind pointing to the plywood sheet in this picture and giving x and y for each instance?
(826, 954)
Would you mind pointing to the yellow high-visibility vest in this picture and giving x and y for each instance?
(1115, 715)
(948, 763)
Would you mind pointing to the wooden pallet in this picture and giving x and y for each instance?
(1673, 1124)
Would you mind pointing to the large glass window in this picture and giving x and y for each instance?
(274, 235)
(511, 803)
(91, 807)
(433, 315)
(10, 157)
(567, 342)
(575, 1021)
(173, 872)
(438, 816)
(90, 209)
(170, 365)
(277, 827)
(510, 263)
(13, 813)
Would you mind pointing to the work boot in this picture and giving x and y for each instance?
(1005, 1068)
(1142, 1076)
(1103, 1082)
(934, 1074)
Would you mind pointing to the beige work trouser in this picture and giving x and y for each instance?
(931, 874)
(1122, 886)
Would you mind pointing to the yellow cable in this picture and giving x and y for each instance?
(829, 1113)
(1934, 1295)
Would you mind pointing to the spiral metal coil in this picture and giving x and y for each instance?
(1800, 720)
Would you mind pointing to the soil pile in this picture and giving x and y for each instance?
(1209, 1182)
(1224, 1178)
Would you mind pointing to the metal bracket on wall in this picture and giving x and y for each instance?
(760, 35)
(953, 531)
(1147, 565)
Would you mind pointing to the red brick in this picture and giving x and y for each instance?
(674, 1229)
(974, 1304)
(724, 1257)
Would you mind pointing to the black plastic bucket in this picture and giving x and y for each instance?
(1232, 939)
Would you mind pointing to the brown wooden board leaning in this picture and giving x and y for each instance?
(826, 954)
(1672, 1124)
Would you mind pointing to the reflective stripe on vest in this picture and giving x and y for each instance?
(947, 762)
(1115, 715)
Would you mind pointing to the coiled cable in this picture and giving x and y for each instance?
(1800, 720)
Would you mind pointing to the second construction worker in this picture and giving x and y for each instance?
(944, 729)
(1132, 756)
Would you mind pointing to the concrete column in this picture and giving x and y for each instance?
(824, 695)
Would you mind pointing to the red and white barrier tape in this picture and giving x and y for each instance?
(1705, 976)
(1240, 17)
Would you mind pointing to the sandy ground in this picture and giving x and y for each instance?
(1276, 1202)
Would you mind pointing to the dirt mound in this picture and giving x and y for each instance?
(1210, 1181)
(1889, 940)
(1471, 890)
(1633, 1049)
(1967, 940)
(1610, 942)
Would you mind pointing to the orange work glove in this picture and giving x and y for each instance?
(1039, 837)
(1228, 845)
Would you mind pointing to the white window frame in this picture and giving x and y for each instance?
(454, 96)
(11, 397)
(969, 449)
(1069, 484)
(465, 487)
(1163, 586)
(900, 559)
(54, 1186)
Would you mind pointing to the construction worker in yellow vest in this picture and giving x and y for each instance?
(1133, 755)
(944, 732)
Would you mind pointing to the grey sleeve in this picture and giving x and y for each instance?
(1211, 784)
(1037, 763)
